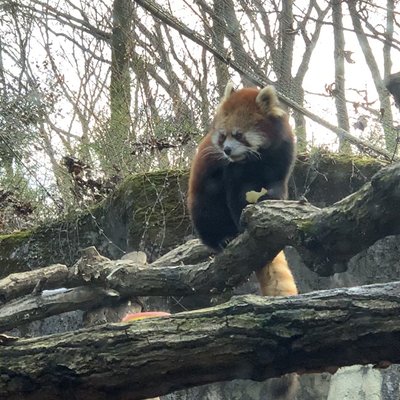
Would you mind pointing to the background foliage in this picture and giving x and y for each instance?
(91, 92)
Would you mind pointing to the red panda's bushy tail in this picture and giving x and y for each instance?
(276, 279)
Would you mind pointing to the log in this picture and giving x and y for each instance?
(249, 337)
(329, 237)
(36, 307)
(20, 284)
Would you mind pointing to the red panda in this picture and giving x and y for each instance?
(250, 147)
(250, 150)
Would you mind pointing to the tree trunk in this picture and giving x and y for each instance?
(339, 91)
(217, 35)
(233, 34)
(120, 85)
(385, 106)
(286, 43)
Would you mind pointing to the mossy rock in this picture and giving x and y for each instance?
(325, 178)
(147, 212)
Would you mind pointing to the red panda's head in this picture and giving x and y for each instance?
(242, 124)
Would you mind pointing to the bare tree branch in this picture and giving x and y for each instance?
(37, 307)
(257, 79)
(41, 8)
(387, 116)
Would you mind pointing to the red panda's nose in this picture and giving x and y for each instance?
(227, 150)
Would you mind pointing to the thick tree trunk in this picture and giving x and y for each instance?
(250, 337)
(339, 92)
(120, 90)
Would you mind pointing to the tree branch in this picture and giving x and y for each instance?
(326, 237)
(250, 337)
(37, 307)
(256, 79)
(20, 284)
(329, 237)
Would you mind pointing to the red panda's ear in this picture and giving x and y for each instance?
(267, 100)
(228, 90)
(227, 93)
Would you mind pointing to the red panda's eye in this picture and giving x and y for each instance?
(221, 137)
(238, 135)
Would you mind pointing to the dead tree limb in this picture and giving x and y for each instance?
(250, 337)
(39, 306)
(328, 238)
(20, 284)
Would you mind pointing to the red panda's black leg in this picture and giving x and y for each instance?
(236, 201)
(214, 225)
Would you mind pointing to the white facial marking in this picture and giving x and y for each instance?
(256, 139)
(231, 146)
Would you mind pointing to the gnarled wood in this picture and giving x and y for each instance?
(36, 307)
(329, 237)
(249, 337)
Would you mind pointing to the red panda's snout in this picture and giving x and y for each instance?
(236, 146)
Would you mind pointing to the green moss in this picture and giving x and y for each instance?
(328, 157)
(9, 243)
(157, 213)
(16, 236)
(146, 212)
(325, 178)
(306, 226)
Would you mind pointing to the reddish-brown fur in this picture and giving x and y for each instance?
(218, 184)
